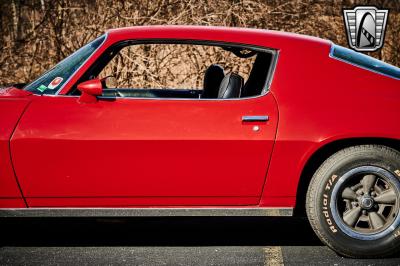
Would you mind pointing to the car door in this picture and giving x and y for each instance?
(119, 152)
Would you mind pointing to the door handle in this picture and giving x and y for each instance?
(255, 118)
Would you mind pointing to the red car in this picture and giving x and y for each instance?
(302, 126)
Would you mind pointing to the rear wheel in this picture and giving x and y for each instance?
(353, 201)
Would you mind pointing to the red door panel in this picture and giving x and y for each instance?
(136, 148)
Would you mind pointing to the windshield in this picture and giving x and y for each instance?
(55, 78)
(365, 61)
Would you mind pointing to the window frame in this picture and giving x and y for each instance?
(124, 43)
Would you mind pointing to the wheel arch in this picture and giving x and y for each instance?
(321, 154)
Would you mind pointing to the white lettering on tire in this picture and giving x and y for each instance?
(330, 182)
(325, 204)
(326, 214)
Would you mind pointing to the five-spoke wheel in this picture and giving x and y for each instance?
(366, 202)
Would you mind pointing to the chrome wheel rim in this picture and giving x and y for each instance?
(365, 203)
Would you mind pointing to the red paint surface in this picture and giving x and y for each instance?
(12, 203)
(10, 111)
(90, 90)
(144, 152)
(137, 202)
(143, 147)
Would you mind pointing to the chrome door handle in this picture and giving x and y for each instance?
(255, 118)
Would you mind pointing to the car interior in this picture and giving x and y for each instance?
(217, 82)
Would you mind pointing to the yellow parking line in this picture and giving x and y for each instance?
(273, 256)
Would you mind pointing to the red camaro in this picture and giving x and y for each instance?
(178, 120)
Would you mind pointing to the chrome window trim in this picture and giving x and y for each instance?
(79, 68)
(145, 212)
(180, 99)
(161, 99)
(271, 73)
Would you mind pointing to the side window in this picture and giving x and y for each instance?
(183, 71)
(170, 66)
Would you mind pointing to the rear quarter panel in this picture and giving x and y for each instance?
(320, 100)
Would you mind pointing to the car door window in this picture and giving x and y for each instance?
(170, 66)
(194, 71)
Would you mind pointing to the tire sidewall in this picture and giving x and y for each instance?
(323, 197)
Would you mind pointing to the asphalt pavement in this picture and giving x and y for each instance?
(167, 241)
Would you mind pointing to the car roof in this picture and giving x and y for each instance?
(240, 35)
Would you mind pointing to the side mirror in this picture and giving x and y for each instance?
(90, 90)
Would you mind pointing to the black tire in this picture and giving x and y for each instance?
(335, 200)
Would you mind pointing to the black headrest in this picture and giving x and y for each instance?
(257, 78)
(230, 86)
(212, 79)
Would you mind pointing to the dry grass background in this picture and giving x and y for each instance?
(174, 66)
(36, 34)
